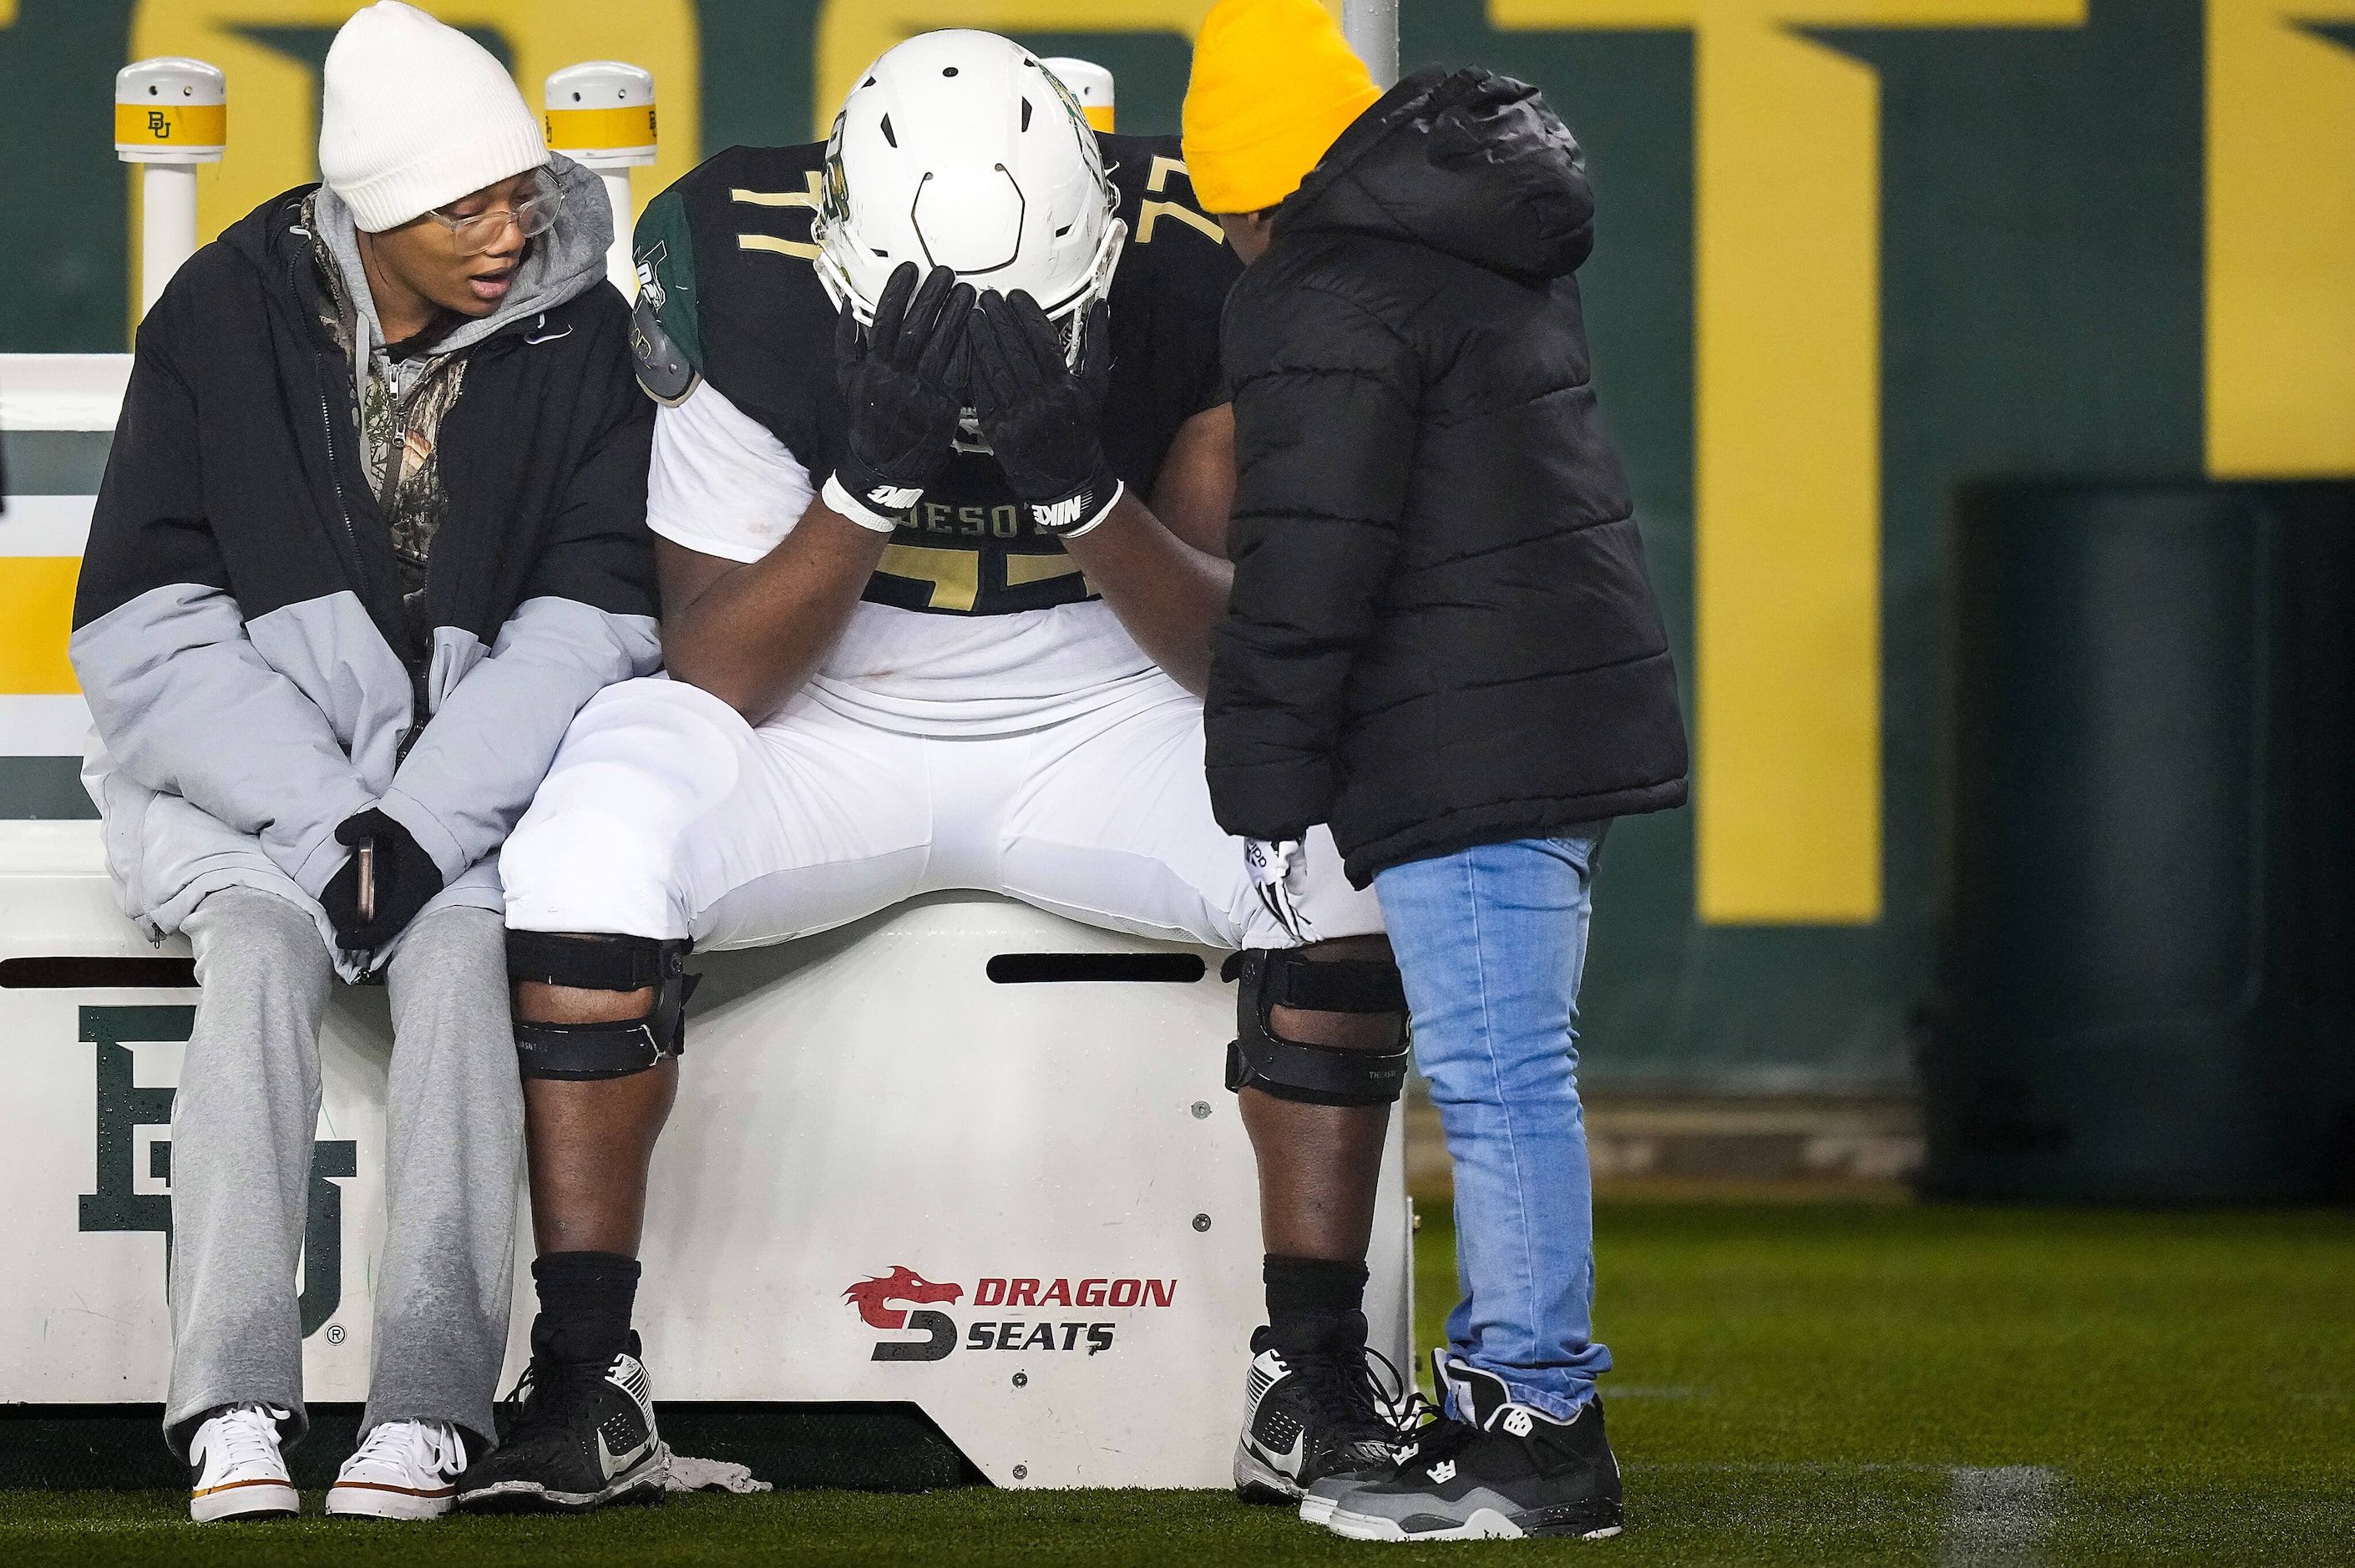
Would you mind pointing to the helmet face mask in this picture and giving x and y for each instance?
(960, 149)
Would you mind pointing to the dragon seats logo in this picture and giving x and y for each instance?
(874, 1297)
(902, 1301)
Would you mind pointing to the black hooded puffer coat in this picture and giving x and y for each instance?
(1442, 634)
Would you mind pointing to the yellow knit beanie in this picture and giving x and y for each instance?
(1275, 85)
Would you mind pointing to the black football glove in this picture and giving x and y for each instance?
(903, 380)
(1042, 421)
(406, 877)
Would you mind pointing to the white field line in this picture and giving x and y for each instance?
(1999, 1518)
(1782, 1467)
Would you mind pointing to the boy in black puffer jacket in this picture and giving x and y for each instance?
(1442, 642)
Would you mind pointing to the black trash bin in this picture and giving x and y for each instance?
(2147, 832)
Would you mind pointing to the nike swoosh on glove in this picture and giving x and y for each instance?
(1042, 418)
(406, 878)
(902, 378)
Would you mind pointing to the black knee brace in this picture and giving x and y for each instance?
(601, 963)
(1315, 1074)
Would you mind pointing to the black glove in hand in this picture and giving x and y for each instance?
(1041, 418)
(406, 877)
(902, 378)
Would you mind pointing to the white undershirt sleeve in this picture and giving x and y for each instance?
(723, 484)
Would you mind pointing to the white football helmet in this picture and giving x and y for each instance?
(959, 149)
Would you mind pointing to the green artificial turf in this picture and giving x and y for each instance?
(1795, 1385)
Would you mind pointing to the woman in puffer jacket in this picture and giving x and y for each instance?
(372, 531)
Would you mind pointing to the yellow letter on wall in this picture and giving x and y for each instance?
(2281, 241)
(1786, 432)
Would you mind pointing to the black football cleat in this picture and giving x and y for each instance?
(580, 1435)
(1313, 1416)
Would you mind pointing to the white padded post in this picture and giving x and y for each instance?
(1372, 29)
(1092, 84)
(600, 114)
(170, 114)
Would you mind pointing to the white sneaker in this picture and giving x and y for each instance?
(235, 1470)
(403, 1470)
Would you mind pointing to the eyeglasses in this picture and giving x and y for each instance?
(533, 215)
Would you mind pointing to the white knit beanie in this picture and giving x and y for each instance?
(416, 115)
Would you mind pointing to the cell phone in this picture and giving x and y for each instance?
(367, 851)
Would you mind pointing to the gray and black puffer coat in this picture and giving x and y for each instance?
(255, 670)
(1441, 633)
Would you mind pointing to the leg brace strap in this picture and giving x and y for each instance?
(1260, 1059)
(617, 963)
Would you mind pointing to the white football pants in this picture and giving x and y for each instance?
(665, 815)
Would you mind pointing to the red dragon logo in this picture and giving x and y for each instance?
(902, 1284)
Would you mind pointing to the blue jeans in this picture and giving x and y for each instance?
(1491, 942)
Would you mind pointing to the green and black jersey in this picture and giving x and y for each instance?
(723, 260)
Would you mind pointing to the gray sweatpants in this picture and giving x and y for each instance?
(241, 1132)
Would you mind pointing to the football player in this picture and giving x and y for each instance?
(941, 482)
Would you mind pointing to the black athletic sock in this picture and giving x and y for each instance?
(585, 1300)
(1309, 1298)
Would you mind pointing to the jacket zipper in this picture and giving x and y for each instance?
(396, 459)
(327, 428)
(335, 479)
(416, 703)
(396, 469)
(396, 466)
(359, 565)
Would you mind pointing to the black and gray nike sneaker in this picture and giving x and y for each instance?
(1508, 1471)
(1310, 1416)
(574, 1435)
